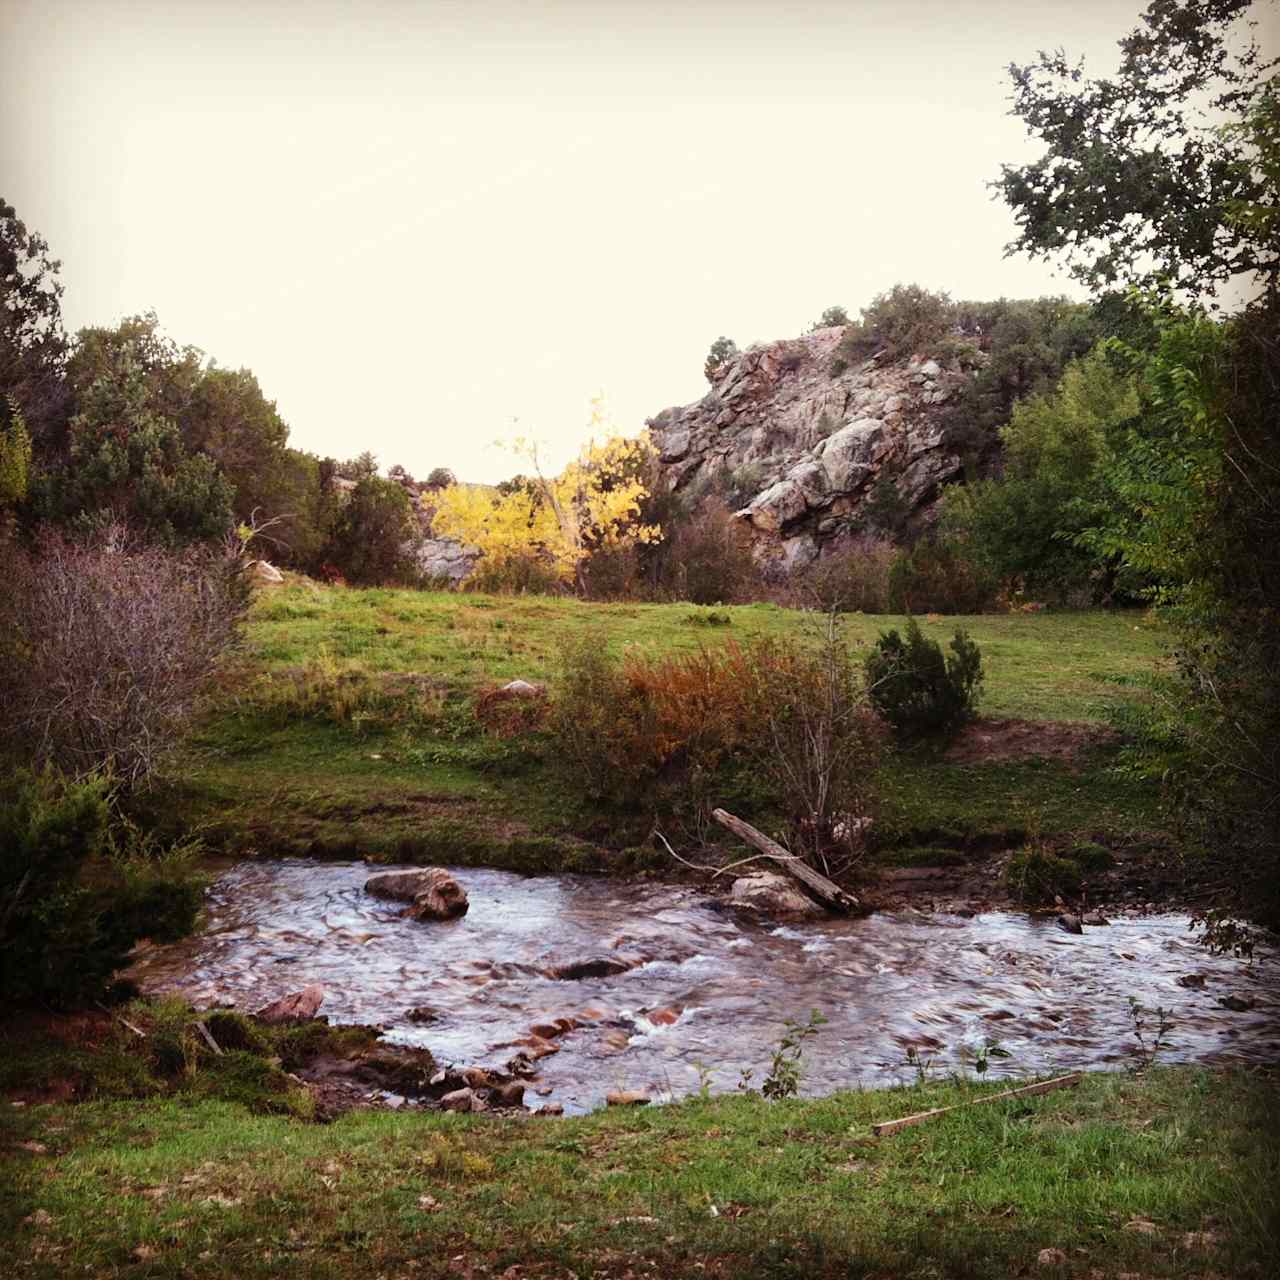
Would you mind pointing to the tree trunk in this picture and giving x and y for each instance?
(817, 886)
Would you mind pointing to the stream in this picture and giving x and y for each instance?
(713, 991)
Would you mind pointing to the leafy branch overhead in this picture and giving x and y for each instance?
(1139, 179)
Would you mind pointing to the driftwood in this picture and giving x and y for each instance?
(1045, 1086)
(208, 1038)
(815, 885)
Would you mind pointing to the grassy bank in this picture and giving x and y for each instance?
(1174, 1174)
(394, 765)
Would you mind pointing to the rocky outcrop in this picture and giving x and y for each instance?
(802, 447)
(444, 560)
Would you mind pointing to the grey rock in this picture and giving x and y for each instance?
(768, 894)
(675, 445)
(445, 559)
(777, 505)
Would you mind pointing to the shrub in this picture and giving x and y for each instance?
(76, 893)
(375, 534)
(915, 687)
(667, 732)
(831, 317)
(722, 350)
(708, 561)
(908, 320)
(934, 577)
(521, 572)
(106, 646)
(852, 579)
(1092, 857)
(816, 740)
(1035, 876)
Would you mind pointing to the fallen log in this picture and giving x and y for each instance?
(817, 886)
(1044, 1086)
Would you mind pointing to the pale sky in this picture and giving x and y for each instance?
(429, 225)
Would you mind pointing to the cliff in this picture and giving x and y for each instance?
(801, 452)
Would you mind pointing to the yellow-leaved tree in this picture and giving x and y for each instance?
(560, 520)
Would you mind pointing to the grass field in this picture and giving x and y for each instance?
(1172, 1174)
(432, 785)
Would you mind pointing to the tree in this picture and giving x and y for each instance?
(1139, 178)
(375, 534)
(15, 459)
(126, 460)
(227, 418)
(830, 318)
(1026, 523)
(594, 503)
(359, 468)
(33, 345)
(137, 348)
(722, 350)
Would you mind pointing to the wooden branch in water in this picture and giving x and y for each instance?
(1045, 1086)
(816, 885)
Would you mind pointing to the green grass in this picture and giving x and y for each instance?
(1048, 666)
(401, 771)
(727, 1187)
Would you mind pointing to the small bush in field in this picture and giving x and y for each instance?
(915, 687)
(107, 645)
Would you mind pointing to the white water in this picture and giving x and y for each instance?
(945, 985)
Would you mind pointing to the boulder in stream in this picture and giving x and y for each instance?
(592, 967)
(772, 895)
(443, 898)
(433, 892)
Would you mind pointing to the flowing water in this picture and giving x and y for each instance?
(714, 992)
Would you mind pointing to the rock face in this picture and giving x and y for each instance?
(445, 560)
(806, 448)
(433, 892)
(772, 895)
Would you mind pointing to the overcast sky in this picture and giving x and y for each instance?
(429, 225)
